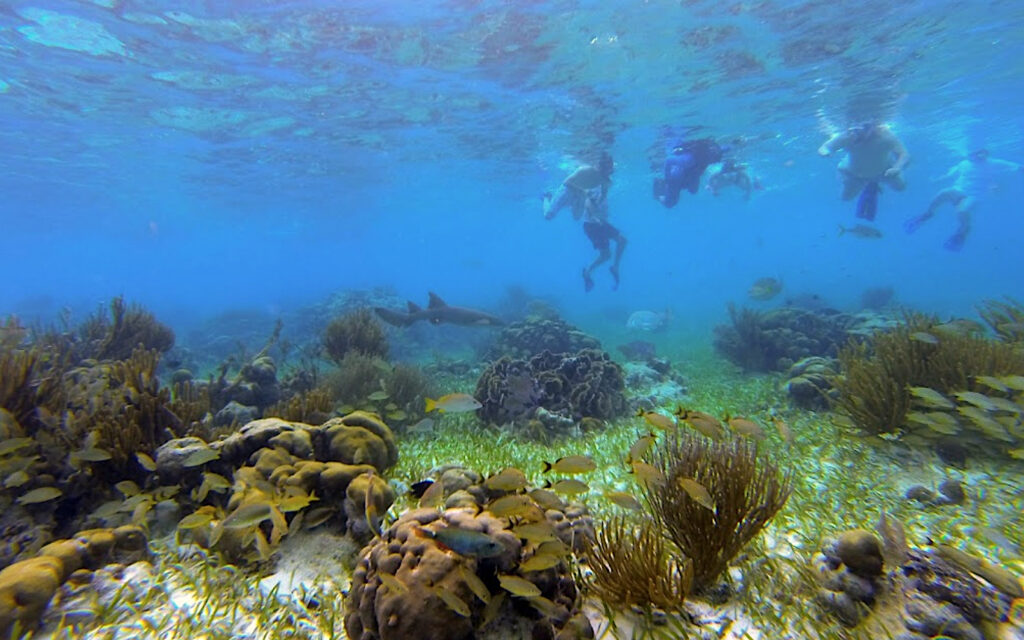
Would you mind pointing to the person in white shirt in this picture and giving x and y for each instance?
(976, 177)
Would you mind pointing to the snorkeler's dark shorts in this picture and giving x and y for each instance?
(600, 233)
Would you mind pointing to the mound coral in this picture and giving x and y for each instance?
(26, 587)
(745, 492)
(571, 385)
(355, 332)
(774, 340)
(452, 574)
(277, 472)
(810, 383)
(536, 334)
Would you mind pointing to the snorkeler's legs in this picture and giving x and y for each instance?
(620, 246)
(956, 241)
(602, 257)
(852, 185)
(946, 196)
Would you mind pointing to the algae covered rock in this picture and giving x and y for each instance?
(861, 551)
(810, 383)
(919, 594)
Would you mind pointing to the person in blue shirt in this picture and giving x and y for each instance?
(684, 166)
(976, 177)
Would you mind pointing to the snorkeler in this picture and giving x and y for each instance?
(731, 174)
(684, 166)
(976, 176)
(575, 189)
(601, 234)
(874, 156)
(586, 192)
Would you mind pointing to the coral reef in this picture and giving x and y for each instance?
(809, 383)
(653, 384)
(745, 491)
(1005, 318)
(875, 390)
(877, 298)
(571, 385)
(639, 350)
(636, 566)
(455, 573)
(128, 328)
(536, 334)
(312, 407)
(26, 587)
(775, 340)
(913, 594)
(355, 332)
(396, 392)
(279, 471)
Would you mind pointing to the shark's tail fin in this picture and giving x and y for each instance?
(393, 318)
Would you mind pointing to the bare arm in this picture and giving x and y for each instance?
(833, 144)
(1006, 165)
(896, 148)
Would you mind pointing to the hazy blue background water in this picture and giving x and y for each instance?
(198, 156)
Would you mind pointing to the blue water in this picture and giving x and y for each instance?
(202, 156)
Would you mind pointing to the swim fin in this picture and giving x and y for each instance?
(867, 203)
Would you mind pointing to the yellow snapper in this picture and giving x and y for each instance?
(518, 586)
(624, 499)
(765, 288)
(641, 447)
(655, 419)
(453, 403)
(571, 465)
(508, 479)
(745, 427)
(930, 398)
(697, 492)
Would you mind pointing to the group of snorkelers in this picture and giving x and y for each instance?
(874, 157)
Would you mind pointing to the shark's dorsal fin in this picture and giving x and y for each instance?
(413, 307)
(435, 301)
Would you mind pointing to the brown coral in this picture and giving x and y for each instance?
(355, 332)
(442, 594)
(746, 491)
(874, 388)
(637, 566)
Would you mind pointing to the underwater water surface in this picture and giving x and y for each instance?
(196, 156)
(274, 179)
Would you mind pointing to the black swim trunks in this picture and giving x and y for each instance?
(600, 233)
